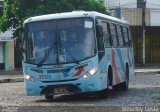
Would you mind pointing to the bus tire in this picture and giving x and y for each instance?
(110, 77)
(49, 97)
(125, 85)
(104, 93)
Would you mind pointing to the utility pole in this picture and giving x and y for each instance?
(143, 30)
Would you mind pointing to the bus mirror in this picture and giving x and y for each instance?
(99, 31)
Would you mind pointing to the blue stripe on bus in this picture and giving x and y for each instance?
(66, 74)
(120, 58)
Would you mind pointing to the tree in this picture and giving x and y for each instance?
(16, 11)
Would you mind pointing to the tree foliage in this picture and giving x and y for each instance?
(16, 11)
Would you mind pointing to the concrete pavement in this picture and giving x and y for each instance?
(11, 76)
(17, 75)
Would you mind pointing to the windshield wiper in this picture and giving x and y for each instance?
(43, 59)
(75, 60)
(46, 55)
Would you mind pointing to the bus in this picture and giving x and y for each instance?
(76, 52)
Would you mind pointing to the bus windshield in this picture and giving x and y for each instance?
(59, 41)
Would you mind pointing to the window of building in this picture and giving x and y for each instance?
(141, 4)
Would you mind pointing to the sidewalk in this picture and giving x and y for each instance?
(17, 75)
(150, 69)
(147, 70)
(11, 76)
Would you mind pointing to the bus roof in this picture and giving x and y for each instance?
(73, 14)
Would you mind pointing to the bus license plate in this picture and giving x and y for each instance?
(60, 90)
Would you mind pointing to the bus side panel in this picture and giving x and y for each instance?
(121, 57)
(103, 65)
(131, 64)
(117, 59)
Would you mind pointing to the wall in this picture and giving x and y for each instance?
(152, 43)
(130, 3)
(154, 6)
(153, 3)
(1, 53)
(155, 18)
(134, 16)
(9, 55)
(1, 56)
(8, 46)
(120, 3)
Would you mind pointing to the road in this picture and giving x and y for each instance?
(144, 91)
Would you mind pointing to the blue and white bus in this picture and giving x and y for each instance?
(76, 52)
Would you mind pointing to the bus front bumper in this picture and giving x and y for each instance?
(81, 85)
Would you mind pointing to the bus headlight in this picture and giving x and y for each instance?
(90, 73)
(28, 77)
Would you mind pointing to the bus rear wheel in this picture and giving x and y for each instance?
(49, 97)
(124, 85)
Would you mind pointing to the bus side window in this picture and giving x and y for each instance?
(30, 44)
(120, 36)
(113, 35)
(106, 35)
(125, 34)
(130, 37)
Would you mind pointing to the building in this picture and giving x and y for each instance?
(6, 51)
(152, 5)
(131, 10)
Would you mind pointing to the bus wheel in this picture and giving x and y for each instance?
(125, 85)
(104, 93)
(49, 97)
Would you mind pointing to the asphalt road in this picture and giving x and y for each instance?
(144, 91)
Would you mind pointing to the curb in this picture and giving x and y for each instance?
(147, 73)
(11, 80)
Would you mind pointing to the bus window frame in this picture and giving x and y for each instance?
(129, 36)
(120, 36)
(108, 21)
(101, 52)
(126, 45)
(108, 31)
(115, 36)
